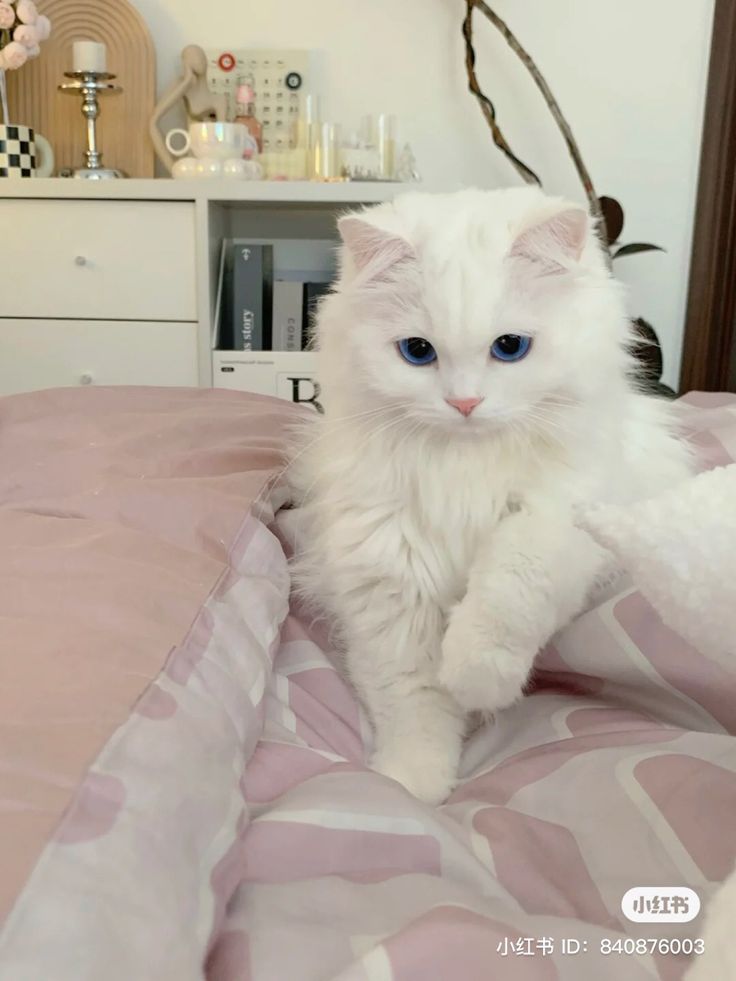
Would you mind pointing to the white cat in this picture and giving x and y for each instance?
(474, 364)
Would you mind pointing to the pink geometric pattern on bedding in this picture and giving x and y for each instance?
(141, 598)
(156, 828)
(618, 770)
(225, 825)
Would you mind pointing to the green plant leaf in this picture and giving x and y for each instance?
(633, 247)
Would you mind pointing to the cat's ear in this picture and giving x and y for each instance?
(373, 250)
(554, 242)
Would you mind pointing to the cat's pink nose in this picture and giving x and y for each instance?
(465, 406)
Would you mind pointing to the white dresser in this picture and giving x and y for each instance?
(114, 283)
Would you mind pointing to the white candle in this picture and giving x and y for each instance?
(89, 56)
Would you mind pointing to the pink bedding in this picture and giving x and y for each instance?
(140, 603)
(182, 786)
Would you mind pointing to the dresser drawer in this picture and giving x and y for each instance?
(122, 260)
(38, 354)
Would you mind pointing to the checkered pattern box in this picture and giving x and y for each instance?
(17, 152)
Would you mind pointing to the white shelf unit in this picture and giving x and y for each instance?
(115, 282)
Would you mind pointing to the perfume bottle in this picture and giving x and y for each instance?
(245, 114)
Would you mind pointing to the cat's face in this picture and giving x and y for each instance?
(473, 321)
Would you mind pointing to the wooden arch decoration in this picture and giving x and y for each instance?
(34, 99)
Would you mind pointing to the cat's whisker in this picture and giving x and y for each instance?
(391, 423)
(330, 425)
(562, 421)
(280, 474)
(418, 424)
(379, 430)
(520, 433)
(549, 426)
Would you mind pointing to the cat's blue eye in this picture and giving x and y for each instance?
(511, 347)
(416, 350)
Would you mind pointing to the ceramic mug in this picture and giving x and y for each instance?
(24, 153)
(213, 141)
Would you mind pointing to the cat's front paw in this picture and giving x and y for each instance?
(430, 781)
(480, 672)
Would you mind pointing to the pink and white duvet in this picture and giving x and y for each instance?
(183, 791)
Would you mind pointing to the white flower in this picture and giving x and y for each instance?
(43, 28)
(35, 51)
(7, 16)
(26, 11)
(26, 35)
(14, 55)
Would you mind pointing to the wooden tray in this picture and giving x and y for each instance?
(122, 126)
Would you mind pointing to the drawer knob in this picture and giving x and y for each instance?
(86, 379)
(81, 260)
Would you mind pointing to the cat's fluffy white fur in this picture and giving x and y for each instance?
(718, 961)
(443, 546)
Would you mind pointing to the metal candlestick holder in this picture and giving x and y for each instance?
(92, 85)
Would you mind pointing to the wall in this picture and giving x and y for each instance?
(630, 76)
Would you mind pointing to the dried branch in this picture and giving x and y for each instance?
(487, 107)
(490, 114)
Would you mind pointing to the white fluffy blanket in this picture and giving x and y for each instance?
(680, 549)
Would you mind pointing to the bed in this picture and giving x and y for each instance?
(183, 792)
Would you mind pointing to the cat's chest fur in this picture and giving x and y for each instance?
(408, 519)
(440, 506)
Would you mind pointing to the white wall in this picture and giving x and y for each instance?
(630, 77)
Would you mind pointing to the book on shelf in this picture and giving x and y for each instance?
(224, 301)
(288, 301)
(313, 292)
(268, 292)
(252, 293)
